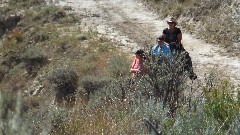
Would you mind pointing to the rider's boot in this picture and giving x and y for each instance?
(192, 75)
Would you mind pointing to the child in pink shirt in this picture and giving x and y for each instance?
(137, 65)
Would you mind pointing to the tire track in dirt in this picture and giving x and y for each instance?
(131, 24)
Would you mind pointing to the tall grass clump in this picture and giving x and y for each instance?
(118, 66)
(14, 43)
(11, 121)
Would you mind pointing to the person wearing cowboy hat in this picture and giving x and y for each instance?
(172, 34)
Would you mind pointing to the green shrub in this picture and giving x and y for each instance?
(57, 117)
(221, 104)
(65, 82)
(54, 13)
(194, 121)
(92, 84)
(11, 60)
(58, 15)
(12, 49)
(50, 14)
(68, 8)
(166, 81)
(14, 43)
(34, 54)
(34, 58)
(81, 37)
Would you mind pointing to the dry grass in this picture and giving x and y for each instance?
(111, 108)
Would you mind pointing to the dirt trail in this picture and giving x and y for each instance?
(131, 24)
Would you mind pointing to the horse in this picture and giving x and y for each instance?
(180, 52)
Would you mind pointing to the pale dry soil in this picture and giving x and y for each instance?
(131, 24)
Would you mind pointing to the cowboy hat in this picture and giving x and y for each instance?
(172, 19)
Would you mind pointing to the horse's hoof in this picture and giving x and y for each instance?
(193, 76)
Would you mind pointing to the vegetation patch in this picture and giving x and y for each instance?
(90, 81)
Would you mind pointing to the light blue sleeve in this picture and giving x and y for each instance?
(170, 54)
(154, 51)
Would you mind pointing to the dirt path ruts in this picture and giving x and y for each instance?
(133, 25)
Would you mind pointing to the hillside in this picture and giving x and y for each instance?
(64, 69)
(135, 26)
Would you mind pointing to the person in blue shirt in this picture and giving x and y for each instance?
(161, 50)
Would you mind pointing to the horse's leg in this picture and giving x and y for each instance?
(188, 66)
